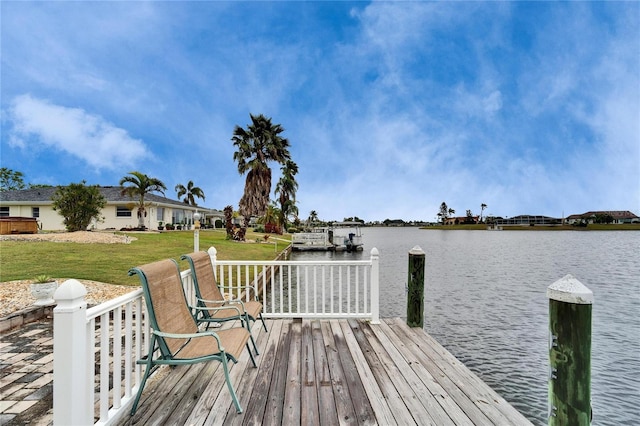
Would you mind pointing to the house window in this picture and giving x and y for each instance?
(160, 214)
(178, 216)
(35, 211)
(123, 211)
(4, 211)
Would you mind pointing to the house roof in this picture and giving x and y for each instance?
(113, 195)
(616, 214)
(531, 216)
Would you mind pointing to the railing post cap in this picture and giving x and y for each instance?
(212, 250)
(70, 293)
(417, 250)
(375, 252)
(568, 289)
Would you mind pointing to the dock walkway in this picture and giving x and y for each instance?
(329, 372)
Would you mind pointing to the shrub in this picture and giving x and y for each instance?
(79, 205)
(272, 228)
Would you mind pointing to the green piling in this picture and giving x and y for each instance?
(570, 306)
(415, 288)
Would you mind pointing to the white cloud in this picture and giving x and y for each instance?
(493, 102)
(74, 131)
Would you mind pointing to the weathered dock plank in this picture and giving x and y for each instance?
(249, 380)
(327, 405)
(163, 382)
(430, 412)
(291, 414)
(255, 400)
(445, 372)
(275, 403)
(308, 393)
(316, 372)
(344, 405)
(494, 406)
(416, 360)
(379, 382)
(349, 352)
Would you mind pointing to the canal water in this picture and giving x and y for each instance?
(485, 301)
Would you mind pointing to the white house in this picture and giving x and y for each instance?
(119, 212)
(616, 216)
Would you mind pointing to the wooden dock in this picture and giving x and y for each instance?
(329, 372)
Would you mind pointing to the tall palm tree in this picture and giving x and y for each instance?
(287, 213)
(286, 190)
(139, 186)
(256, 146)
(228, 221)
(190, 193)
(313, 217)
(443, 214)
(482, 207)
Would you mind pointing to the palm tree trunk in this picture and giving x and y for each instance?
(245, 225)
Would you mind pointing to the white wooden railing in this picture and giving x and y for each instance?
(89, 343)
(305, 289)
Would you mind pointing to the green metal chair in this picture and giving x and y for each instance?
(175, 337)
(212, 307)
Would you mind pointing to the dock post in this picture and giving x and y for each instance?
(570, 307)
(415, 289)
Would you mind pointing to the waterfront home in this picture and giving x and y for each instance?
(119, 212)
(528, 220)
(460, 220)
(616, 216)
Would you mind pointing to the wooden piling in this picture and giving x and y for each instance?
(570, 307)
(415, 288)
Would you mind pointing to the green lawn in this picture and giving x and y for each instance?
(109, 263)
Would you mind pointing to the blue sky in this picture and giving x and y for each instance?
(390, 108)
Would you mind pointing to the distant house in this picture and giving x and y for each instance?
(119, 212)
(461, 220)
(617, 216)
(528, 220)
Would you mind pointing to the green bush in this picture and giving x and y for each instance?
(78, 204)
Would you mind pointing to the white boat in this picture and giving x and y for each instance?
(341, 236)
(316, 239)
(346, 236)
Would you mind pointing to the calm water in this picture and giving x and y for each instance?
(486, 303)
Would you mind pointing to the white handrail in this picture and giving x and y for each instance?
(110, 305)
(305, 288)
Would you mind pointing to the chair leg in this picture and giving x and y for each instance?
(255, 347)
(147, 372)
(253, 360)
(139, 394)
(247, 321)
(264, 324)
(229, 385)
